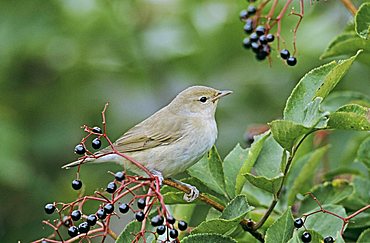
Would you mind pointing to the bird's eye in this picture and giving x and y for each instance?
(203, 99)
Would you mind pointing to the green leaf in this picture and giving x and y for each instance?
(210, 172)
(236, 209)
(271, 185)
(363, 152)
(219, 226)
(362, 21)
(327, 193)
(232, 164)
(206, 238)
(286, 133)
(315, 236)
(282, 229)
(316, 83)
(350, 117)
(309, 163)
(340, 98)
(361, 196)
(364, 237)
(339, 238)
(253, 153)
(128, 233)
(360, 221)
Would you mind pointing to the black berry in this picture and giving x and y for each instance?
(49, 208)
(67, 221)
(247, 43)
(80, 149)
(182, 225)
(270, 37)
(248, 28)
(298, 223)
(161, 229)
(306, 237)
(101, 214)
(174, 233)
(97, 130)
(170, 219)
(91, 219)
(263, 39)
(141, 203)
(120, 176)
(284, 54)
(328, 239)
(252, 10)
(260, 30)
(157, 220)
(73, 231)
(84, 227)
(291, 61)
(124, 208)
(96, 143)
(243, 15)
(140, 216)
(111, 187)
(108, 208)
(261, 56)
(255, 47)
(76, 215)
(253, 37)
(76, 184)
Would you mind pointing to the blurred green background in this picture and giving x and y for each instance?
(61, 60)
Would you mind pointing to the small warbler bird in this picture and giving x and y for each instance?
(172, 139)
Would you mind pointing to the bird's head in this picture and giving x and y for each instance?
(197, 101)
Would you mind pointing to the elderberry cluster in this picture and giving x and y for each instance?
(290, 60)
(158, 221)
(306, 236)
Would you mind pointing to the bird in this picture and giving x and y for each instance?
(171, 140)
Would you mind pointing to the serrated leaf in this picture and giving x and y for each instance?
(282, 229)
(350, 117)
(340, 98)
(364, 237)
(219, 226)
(310, 162)
(271, 185)
(236, 209)
(316, 83)
(315, 236)
(128, 233)
(253, 153)
(327, 193)
(362, 21)
(210, 172)
(232, 164)
(206, 238)
(363, 152)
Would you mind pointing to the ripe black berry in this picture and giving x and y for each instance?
(306, 237)
(101, 214)
(328, 239)
(49, 208)
(260, 56)
(73, 231)
(270, 37)
(252, 10)
(96, 143)
(91, 219)
(123, 208)
(97, 130)
(284, 54)
(140, 216)
(157, 220)
(120, 176)
(170, 219)
(84, 227)
(253, 37)
(108, 208)
(76, 215)
(67, 221)
(298, 223)
(255, 47)
(182, 225)
(248, 28)
(161, 229)
(76, 184)
(174, 233)
(291, 61)
(111, 187)
(263, 39)
(243, 15)
(260, 30)
(246, 43)
(80, 149)
(141, 203)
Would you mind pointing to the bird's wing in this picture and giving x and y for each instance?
(148, 134)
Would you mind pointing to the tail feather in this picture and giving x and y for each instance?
(77, 162)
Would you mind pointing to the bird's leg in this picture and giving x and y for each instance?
(159, 176)
(192, 195)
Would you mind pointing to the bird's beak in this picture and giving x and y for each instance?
(221, 94)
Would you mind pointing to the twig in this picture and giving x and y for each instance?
(350, 6)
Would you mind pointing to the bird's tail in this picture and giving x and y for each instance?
(78, 162)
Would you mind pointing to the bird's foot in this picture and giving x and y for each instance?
(192, 195)
(158, 175)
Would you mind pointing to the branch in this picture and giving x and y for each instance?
(349, 6)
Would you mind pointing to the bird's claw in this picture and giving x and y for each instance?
(158, 175)
(192, 195)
